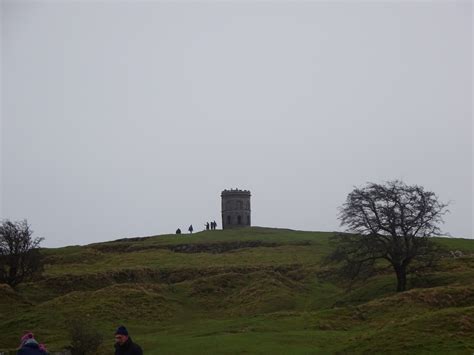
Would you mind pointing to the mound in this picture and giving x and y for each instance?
(265, 292)
(426, 298)
(10, 301)
(116, 303)
(441, 331)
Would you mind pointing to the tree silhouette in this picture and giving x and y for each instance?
(392, 222)
(19, 254)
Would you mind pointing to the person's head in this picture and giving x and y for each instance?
(28, 336)
(121, 335)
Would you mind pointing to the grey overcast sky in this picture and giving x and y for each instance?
(124, 119)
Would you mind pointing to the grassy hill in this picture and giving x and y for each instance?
(255, 291)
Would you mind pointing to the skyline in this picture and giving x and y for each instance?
(129, 119)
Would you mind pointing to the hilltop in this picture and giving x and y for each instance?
(253, 290)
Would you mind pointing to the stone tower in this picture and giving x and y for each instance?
(235, 208)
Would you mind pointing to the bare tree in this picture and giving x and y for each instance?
(19, 252)
(85, 339)
(392, 222)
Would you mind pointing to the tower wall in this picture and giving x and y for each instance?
(236, 210)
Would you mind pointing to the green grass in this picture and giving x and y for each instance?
(264, 295)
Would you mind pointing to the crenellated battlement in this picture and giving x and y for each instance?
(235, 191)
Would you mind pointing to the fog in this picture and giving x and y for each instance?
(124, 119)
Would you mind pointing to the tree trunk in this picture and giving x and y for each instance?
(401, 272)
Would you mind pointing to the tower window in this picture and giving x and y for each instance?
(239, 219)
(228, 219)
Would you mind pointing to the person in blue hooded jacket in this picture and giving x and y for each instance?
(29, 346)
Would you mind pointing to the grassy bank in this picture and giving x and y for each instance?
(255, 290)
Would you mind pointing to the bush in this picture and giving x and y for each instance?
(20, 258)
(84, 339)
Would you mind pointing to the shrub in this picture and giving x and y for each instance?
(84, 339)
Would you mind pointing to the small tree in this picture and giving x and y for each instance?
(84, 339)
(392, 222)
(19, 254)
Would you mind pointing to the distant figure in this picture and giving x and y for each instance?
(215, 225)
(207, 226)
(124, 344)
(178, 231)
(190, 229)
(29, 346)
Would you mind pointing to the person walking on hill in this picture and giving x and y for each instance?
(124, 344)
(190, 229)
(29, 346)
